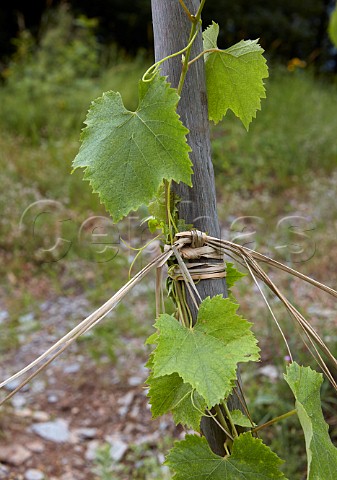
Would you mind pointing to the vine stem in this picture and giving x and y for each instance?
(198, 14)
(154, 68)
(169, 217)
(196, 22)
(221, 418)
(274, 420)
(201, 54)
(232, 424)
(181, 304)
(139, 251)
(186, 10)
(224, 429)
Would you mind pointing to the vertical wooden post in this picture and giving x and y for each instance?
(198, 204)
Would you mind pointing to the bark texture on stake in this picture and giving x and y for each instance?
(171, 28)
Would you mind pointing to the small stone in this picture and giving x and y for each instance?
(118, 447)
(163, 425)
(161, 458)
(38, 386)
(40, 416)
(4, 472)
(135, 412)
(14, 384)
(135, 381)
(56, 431)
(28, 317)
(33, 474)
(122, 411)
(165, 471)
(67, 476)
(91, 452)
(24, 413)
(14, 455)
(18, 401)
(36, 446)
(118, 450)
(150, 439)
(125, 403)
(126, 399)
(52, 398)
(3, 316)
(72, 368)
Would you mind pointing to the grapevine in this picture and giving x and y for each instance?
(132, 159)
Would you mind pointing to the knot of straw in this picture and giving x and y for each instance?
(192, 245)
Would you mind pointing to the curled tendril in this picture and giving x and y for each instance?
(198, 409)
(153, 70)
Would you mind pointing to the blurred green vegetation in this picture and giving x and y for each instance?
(293, 135)
(286, 29)
(46, 92)
(48, 84)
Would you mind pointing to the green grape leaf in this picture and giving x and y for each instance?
(158, 210)
(332, 28)
(240, 419)
(157, 207)
(217, 317)
(205, 356)
(232, 274)
(305, 384)
(192, 458)
(126, 155)
(170, 394)
(234, 77)
(154, 225)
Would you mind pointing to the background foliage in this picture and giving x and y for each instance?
(287, 29)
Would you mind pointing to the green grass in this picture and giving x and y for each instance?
(294, 135)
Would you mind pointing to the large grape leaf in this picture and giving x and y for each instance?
(126, 155)
(250, 460)
(170, 394)
(217, 317)
(205, 356)
(332, 28)
(234, 77)
(305, 384)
